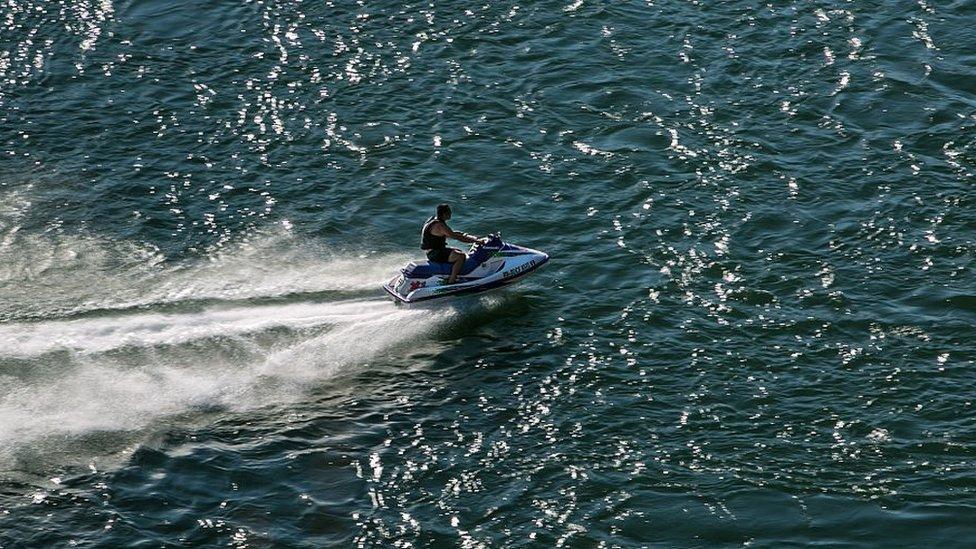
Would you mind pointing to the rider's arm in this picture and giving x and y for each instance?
(441, 229)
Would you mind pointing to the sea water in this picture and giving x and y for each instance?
(756, 327)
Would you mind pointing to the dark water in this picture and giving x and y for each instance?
(756, 329)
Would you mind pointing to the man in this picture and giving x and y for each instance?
(434, 240)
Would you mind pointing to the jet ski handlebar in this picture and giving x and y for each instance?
(492, 238)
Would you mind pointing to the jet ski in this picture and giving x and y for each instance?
(489, 265)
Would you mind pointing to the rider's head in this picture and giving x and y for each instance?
(443, 212)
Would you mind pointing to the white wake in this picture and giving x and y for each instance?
(93, 375)
(97, 335)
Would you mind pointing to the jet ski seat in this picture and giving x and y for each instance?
(426, 269)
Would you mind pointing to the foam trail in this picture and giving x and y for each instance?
(86, 348)
(94, 391)
(98, 335)
(347, 344)
(58, 275)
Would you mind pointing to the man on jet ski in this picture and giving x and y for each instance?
(434, 237)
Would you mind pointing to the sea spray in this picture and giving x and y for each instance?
(58, 275)
(77, 377)
(110, 336)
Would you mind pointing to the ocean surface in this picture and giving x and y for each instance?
(756, 329)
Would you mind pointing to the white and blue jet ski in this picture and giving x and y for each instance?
(490, 265)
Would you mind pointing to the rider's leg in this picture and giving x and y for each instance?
(457, 258)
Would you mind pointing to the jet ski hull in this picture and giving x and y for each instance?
(502, 265)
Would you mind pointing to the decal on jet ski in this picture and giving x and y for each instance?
(519, 269)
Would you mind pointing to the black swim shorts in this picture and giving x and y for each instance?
(441, 255)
